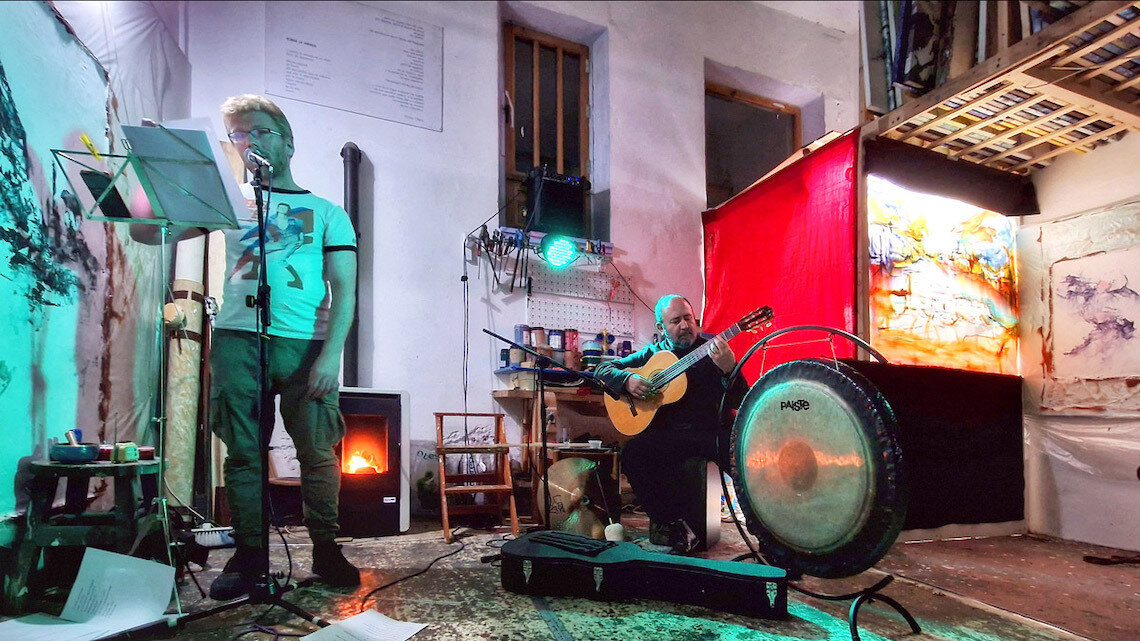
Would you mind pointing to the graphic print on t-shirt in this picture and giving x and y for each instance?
(286, 231)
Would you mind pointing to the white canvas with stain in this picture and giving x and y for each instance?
(1095, 306)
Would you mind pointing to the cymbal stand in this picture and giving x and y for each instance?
(542, 364)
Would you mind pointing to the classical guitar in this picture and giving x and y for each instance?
(666, 376)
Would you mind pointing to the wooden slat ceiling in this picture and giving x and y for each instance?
(1070, 87)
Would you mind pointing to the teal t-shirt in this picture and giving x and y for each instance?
(300, 228)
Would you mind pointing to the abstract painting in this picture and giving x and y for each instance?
(942, 285)
(1095, 305)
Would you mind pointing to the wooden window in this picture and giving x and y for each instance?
(548, 111)
(745, 137)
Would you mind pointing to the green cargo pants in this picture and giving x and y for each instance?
(316, 426)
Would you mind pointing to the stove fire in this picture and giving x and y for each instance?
(361, 463)
(366, 445)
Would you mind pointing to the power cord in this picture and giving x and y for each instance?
(454, 534)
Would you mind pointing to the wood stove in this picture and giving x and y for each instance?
(373, 463)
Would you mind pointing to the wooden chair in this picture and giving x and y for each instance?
(496, 484)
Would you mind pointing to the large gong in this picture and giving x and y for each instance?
(817, 468)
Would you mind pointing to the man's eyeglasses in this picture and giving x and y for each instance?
(242, 136)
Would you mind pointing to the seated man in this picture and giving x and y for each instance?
(653, 460)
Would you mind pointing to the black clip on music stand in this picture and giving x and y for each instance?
(542, 364)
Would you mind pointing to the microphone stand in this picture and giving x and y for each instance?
(542, 363)
(266, 590)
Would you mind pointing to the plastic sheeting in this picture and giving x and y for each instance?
(787, 242)
(150, 76)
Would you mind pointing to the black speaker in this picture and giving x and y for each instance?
(556, 204)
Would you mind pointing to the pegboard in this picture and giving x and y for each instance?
(582, 282)
(587, 316)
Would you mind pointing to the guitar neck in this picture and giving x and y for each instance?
(684, 363)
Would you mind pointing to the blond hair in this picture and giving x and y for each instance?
(249, 103)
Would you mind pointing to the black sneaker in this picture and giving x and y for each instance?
(681, 537)
(239, 576)
(331, 566)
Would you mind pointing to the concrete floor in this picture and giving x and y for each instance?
(997, 589)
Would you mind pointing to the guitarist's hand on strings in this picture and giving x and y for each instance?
(722, 355)
(637, 386)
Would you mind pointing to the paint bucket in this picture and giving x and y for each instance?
(570, 339)
(537, 336)
(554, 338)
(522, 334)
(517, 356)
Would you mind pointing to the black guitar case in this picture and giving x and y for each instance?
(552, 563)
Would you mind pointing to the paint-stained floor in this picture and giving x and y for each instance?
(1019, 588)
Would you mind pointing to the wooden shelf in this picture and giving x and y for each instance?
(1071, 87)
(570, 395)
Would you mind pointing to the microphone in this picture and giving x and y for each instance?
(255, 158)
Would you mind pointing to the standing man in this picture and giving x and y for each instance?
(310, 258)
(654, 460)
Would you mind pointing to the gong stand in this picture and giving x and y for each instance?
(860, 597)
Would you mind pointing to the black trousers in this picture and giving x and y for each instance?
(654, 461)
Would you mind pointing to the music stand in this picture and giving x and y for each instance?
(180, 171)
(542, 363)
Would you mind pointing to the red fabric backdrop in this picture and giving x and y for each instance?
(789, 243)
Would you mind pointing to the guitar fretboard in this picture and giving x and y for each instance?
(660, 379)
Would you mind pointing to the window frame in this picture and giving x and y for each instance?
(724, 91)
(515, 213)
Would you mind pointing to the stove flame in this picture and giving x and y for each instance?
(361, 463)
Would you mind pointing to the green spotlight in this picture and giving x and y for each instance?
(558, 251)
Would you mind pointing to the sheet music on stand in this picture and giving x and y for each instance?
(182, 171)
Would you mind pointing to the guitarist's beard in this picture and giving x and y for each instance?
(684, 340)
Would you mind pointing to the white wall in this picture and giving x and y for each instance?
(1081, 467)
(430, 188)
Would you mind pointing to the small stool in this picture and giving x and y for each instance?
(136, 487)
(699, 500)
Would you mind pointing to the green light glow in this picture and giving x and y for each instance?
(559, 252)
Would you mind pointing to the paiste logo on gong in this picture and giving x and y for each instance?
(796, 405)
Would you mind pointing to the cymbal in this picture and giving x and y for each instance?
(572, 508)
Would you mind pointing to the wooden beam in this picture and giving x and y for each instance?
(1109, 37)
(997, 89)
(1048, 138)
(992, 120)
(1107, 133)
(1009, 133)
(1026, 53)
(1072, 92)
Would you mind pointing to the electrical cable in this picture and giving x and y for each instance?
(462, 545)
(629, 285)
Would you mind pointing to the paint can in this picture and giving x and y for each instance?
(570, 340)
(554, 338)
(537, 336)
(522, 334)
(505, 357)
(517, 356)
